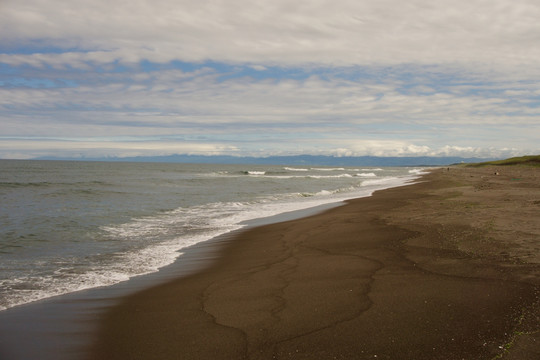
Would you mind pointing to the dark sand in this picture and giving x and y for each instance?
(448, 268)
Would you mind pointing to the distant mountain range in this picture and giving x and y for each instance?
(309, 160)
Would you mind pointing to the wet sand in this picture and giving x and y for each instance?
(448, 268)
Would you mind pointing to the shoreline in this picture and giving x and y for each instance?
(413, 272)
(62, 326)
(274, 210)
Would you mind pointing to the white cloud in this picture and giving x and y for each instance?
(381, 147)
(497, 33)
(173, 97)
(28, 148)
(259, 67)
(176, 102)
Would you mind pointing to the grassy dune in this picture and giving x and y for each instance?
(531, 160)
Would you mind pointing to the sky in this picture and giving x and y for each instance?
(118, 78)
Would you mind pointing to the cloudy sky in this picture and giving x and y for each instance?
(258, 77)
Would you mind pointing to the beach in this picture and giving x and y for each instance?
(446, 268)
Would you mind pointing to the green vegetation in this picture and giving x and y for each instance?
(531, 160)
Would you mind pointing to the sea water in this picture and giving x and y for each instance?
(72, 225)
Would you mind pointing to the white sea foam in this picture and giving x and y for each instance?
(295, 169)
(420, 171)
(328, 169)
(325, 193)
(389, 181)
(66, 281)
(366, 175)
(330, 176)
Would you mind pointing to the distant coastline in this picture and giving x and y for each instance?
(320, 160)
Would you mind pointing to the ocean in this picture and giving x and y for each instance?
(66, 226)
